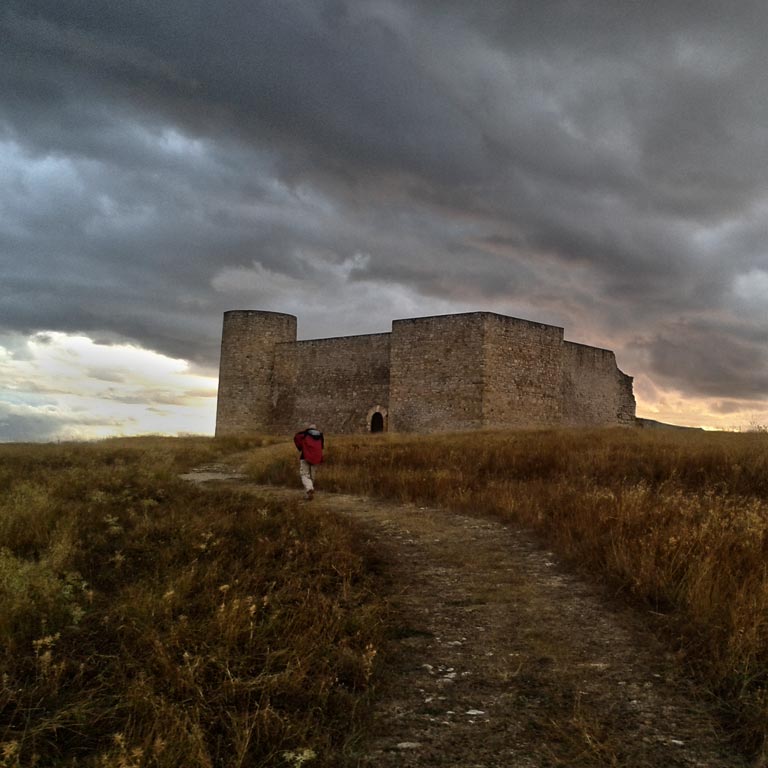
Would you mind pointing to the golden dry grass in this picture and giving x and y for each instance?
(678, 521)
(146, 622)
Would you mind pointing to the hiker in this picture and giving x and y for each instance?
(310, 443)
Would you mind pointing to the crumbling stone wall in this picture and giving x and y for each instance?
(594, 390)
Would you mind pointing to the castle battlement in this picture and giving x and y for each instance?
(471, 370)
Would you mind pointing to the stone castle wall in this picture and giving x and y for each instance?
(332, 382)
(436, 374)
(594, 391)
(451, 372)
(523, 370)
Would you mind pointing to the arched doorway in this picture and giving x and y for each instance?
(376, 419)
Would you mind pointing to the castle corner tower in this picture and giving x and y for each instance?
(248, 343)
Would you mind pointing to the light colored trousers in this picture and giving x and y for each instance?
(307, 472)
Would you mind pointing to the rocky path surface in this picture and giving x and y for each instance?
(501, 657)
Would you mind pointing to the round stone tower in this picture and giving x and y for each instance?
(248, 342)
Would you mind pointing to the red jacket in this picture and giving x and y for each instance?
(310, 442)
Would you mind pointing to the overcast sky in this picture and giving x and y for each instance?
(598, 165)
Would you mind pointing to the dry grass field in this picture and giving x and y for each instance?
(676, 521)
(145, 622)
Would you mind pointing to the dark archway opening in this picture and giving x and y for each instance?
(377, 422)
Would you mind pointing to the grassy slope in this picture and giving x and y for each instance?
(677, 520)
(146, 622)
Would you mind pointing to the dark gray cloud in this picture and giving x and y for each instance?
(597, 164)
(699, 356)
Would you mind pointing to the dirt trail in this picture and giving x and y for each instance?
(503, 658)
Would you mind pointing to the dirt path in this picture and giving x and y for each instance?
(503, 658)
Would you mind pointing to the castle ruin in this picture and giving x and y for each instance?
(450, 372)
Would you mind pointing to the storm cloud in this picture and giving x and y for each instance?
(596, 165)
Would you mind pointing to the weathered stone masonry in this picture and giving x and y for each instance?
(451, 372)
